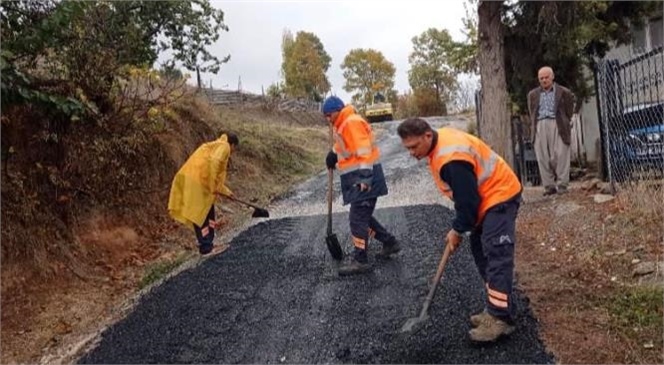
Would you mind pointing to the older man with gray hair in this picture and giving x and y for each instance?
(551, 107)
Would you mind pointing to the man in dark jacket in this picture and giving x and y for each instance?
(551, 107)
(362, 182)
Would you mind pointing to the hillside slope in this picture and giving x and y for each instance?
(84, 219)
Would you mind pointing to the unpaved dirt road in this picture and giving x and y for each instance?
(275, 296)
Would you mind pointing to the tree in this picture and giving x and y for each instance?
(89, 46)
(171, 72)
(318, 46)
(276, 90)
(367, 72)
(287, 41)
(304, 65)
(430, 65)
(463, 55)
(464, 98)
(406, 106)
(567, 36)
(138, 30)
(428, 102)
(494, 117)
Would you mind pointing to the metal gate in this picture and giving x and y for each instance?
(630, 94)
(525, 161)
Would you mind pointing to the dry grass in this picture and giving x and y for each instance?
(273, 155)
(575, 260)
(644, 197)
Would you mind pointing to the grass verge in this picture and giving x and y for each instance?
(158, 270)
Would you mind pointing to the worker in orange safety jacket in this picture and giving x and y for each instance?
(486, 195)
(362, 181)
(196, 186)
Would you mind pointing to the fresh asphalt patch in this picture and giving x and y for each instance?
(275, 297)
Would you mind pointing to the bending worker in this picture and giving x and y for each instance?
(486, 195)
(196, 187)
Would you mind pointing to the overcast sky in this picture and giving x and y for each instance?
(256, 27)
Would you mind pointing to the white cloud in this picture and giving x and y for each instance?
(256, 27)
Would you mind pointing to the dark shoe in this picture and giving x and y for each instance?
(490, 329)
(388, 250)
(562, 189)
(205, 249)
(214, 250)
(549, 190)
(355, 268)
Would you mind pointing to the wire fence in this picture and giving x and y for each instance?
(630, 92)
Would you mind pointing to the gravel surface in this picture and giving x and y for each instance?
(275, 296)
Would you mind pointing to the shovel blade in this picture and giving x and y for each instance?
(415, 324)
(260, 213)
(334, 247)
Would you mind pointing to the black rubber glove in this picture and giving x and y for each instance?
(331, 160)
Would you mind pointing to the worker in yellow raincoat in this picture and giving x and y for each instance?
(196, 186)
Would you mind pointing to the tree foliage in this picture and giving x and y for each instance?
(276, 90)
(406, 106)
(463, 55)
(304, 66)
(367, 72)
(431, 65)
(76, 51)
(567, 36)
(428, 103)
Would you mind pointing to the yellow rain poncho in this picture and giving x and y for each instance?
(199, 179)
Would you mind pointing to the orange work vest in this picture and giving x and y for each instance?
(354, 142)
(496, 181)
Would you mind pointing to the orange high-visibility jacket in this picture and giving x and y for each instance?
(496, 181)
(358, 157)
(199, 179)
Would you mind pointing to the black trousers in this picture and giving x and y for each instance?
(363, 226)
(205, 233)
(492, 245)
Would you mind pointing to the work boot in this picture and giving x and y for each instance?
(550, 190)
(213, 250)
(562, 189)
(478, 318)
(355, 268)
(388, 250)
(490, 329)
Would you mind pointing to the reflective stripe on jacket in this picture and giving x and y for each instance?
(195, 184)
(358, 157)
(496, 181)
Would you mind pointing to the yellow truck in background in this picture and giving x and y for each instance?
(379, 110)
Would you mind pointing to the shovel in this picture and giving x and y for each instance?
(331, 239)
(413, 325)
(258, 211)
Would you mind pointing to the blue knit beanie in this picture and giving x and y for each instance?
(332, 104)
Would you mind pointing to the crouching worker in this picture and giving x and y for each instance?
(362, 182)
(486, 195)
(196, 187)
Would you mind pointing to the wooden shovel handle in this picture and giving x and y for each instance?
(436, 280)
(330, 182)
